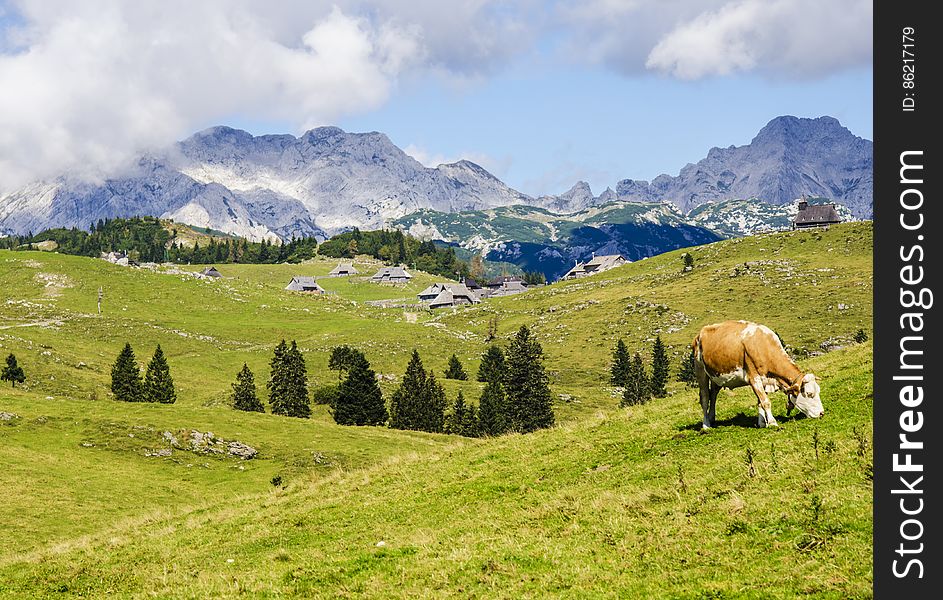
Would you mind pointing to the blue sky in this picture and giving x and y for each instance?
(541, 92)
(541, 130)
(544, 131)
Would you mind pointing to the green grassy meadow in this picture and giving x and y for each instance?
(609, 503)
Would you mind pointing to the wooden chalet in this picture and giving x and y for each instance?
(301, 283)
(343, 270)
(597, 264)
(815, 215)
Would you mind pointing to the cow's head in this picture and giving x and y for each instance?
(805, 396)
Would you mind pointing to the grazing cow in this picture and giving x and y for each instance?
(737, 353)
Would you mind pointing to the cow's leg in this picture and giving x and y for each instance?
(706, 405)
(714, 390)
(764, 408)
(704, 386)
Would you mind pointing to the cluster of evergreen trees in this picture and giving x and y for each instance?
(419, 402)
(287, 385)
(629, 373)
(395, 247)
(156, 386)
(146, 239)
(516, 396)
(242, 251)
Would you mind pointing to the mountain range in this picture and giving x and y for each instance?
(328, 180)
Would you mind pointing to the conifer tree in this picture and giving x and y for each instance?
(686, 373)
(359, 400)
(278, 380)
(621, 364)
(469, 424)
(299, 403)
(419, 402)
(158, 384)
(126, 377)
(288, 384)
(404, 403)
(637, 390)
(244, 396)
(455, 420)
(13, 372)
(660, 367)
(455, 370)
(341, 358)
(492, 410)
(433, 406)
(529, 402)
(492, 366)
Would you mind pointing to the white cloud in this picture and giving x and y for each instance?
(89, 85)
(691, 39)
(795, 37)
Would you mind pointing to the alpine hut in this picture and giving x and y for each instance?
(815, 215)
(301, 283)
(343, 270)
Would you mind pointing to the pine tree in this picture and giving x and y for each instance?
(686, 373)
(492, 410)
(299, 404)
(492, 366)
(288, 384)
(456, 370)
(660, 367)
(638, 388)
(359, 400)
(126, 377)
(621, 363)
(278, 380)
(433, 406)
(340, 360)
(529, 402)
(12, 372)
(158, 384)
(455, 420)
(419, 402)
(405, 400)
(244, 395)
(469, 424)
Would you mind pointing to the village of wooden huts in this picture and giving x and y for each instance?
(468, 291)
(441, 295)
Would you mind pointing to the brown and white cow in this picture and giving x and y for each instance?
(738, 353)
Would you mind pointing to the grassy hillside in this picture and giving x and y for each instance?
(595, 505)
